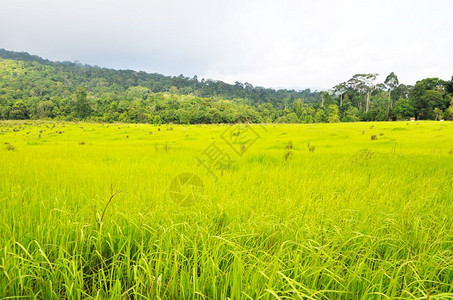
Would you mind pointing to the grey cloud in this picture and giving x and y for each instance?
(270, 43)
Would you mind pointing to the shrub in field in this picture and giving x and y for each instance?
(10, 147)
(288, 154)
(289, 146)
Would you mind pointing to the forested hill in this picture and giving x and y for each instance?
(35, 88)
(92, 76)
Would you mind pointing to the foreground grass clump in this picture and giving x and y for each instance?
(297, 211)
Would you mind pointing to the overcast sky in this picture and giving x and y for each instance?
(289, 44)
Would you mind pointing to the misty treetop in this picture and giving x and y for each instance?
(35, 88)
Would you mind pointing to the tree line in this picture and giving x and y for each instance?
(35, 88)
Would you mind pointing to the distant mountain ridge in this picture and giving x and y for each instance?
(161, 83)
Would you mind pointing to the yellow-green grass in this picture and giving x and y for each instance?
(317, 211)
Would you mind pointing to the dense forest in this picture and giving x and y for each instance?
(36, 88)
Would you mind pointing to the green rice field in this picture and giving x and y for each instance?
(314, 211)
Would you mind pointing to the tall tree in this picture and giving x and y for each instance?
(403, 109)
(365, 84)
(19, 111)
(449, 86)
(427, 95)
(341, 88)
(45, 108)
(391, 82)
(81, 105)
(333, 113)
(326, 98)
